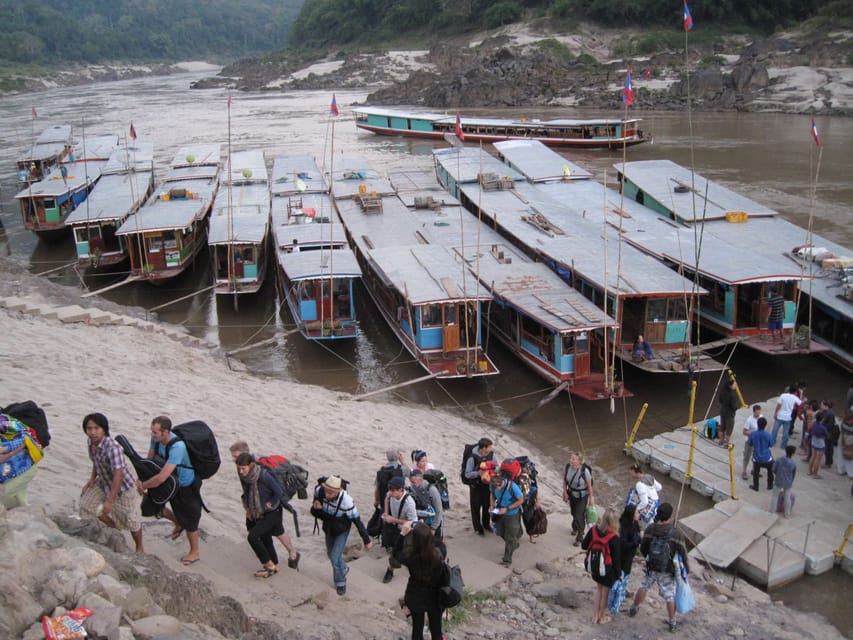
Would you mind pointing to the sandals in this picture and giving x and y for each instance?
(293, 563)
(266, 572)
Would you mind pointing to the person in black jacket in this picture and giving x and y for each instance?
(729, 404)
(629, 537)
(424, 558)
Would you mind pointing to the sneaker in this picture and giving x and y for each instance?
(341, 590)
(389, 575)
(632, 611)
(672, 625)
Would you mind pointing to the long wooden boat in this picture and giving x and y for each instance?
(167, 232)
(644, 296)
(126, 182)
(743, 250)
(239, 225)
(50, 147)
(537, 316)
(599, 133)
(420, 289)
(46, 204)
(317, 271)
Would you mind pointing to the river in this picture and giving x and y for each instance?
(768, 157)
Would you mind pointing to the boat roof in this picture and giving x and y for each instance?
(113, 198)
(397, 112)
(314, 260)
(295, 174)
(697, 198)
(503, 269)
(54, 185)
(538, 162)
(727, 253)
(160, 215)
(194, 172)
(197, 154)
(249, 167)
(353, 174)
(98, 147)
(49, 143)
(465, 164)
(249, 214)
(566, 237)
(398, 250)
(321, 203)
(138, 156)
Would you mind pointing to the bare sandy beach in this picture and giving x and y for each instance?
(132, 374)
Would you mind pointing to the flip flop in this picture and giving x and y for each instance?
(187, 563)
(266, 572)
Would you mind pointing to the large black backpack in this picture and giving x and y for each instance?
(201, 447)
(32, 415)
(383, 477)
(659, 557)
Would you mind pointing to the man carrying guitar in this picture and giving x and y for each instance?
(186, 503)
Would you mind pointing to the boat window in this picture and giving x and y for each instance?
(656, 310)
(431, 315)
(568, 347)
(677, 309)
(450, 314)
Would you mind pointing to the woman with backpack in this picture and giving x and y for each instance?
(427, 572)
(644, 494)
(577, 491)
(603, 561)
(262, 501)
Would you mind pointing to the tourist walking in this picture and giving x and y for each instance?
(604, 561)
(629, 539)
(578, 492)
(261, 499)
(644, 494)
(783, 416)
(750, 425)
(424, 559)
(478, 478)
(185, 512)
(661, 544)
(762, 457)
(293, 556)
(399, 508)
(335, 508)
(109, 493)
(505, 505)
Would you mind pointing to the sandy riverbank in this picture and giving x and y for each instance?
(132, 375)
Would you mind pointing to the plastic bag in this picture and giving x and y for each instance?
(617, 595)
(591, 514)
(684, 598)
(66, 626)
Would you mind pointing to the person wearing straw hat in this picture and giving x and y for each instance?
(335, 508)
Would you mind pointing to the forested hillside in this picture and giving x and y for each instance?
(329, 22)
(88, 31)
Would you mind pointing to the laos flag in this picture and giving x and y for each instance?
(688, 19)
(628, 90)
(814, 133)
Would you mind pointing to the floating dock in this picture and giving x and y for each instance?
(740, 532)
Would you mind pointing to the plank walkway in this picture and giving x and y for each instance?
(740, 532)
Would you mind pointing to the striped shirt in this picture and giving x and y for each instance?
(107, 457)
(777, 307)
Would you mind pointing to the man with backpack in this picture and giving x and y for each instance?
(661, 543)
(393, 468)
(474, 457)
(186, 504)
(399, 509)
(427, 497)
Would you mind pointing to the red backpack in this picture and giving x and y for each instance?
(598, 558)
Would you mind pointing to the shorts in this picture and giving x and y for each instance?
(747, 454)
(125, 513)
(727, 425)
(774, 325)
(665, 582)
(186, 505)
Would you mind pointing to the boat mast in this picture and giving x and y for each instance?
(231, 272)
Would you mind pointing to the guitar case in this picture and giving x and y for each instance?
(146, 468)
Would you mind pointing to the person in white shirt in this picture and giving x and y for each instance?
(749, 426)
(784, 415)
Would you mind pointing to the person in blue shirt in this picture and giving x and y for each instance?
(762, 458)
(505, 503)
(185, 512)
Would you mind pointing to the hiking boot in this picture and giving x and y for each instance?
(672, 625)
(632, 611)
(389, 575)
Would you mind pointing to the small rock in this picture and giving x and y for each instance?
(736, 632)
(721, 599)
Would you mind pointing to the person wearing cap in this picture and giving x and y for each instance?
(109, 494)
(426, 493)
(505, 503)
(335, 508)
(664, 578)
(399, 509)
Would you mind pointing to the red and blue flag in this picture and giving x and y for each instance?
(814, 133)
(132, 132)
(458, 130)
(628, 90)
(688, 19)
(35, 115)
(334, 108)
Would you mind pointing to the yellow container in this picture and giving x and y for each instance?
(737, 216)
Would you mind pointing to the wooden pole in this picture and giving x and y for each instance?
(554, 393)
(396, 386)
